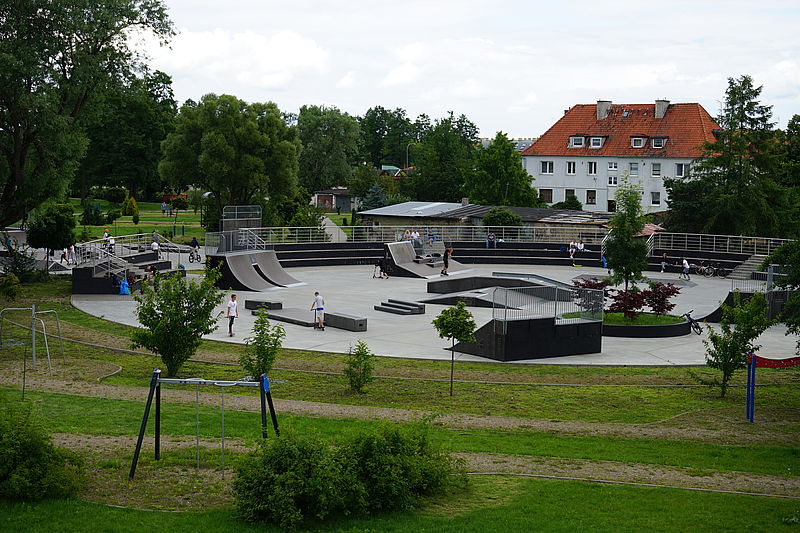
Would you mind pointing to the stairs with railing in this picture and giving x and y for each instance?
(745, 270)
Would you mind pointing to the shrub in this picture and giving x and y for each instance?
(136, 217)
(629, 303)
(10, 287)
(112, 215)
(92, 215)
(31, 468)
(358, 366)
(658, 297)
(115, 195)
(262, 348)
(287, 481)
(292, 480)
(19, 261)
(130, 207)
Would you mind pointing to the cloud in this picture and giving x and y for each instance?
(401, 75)
(347, 81)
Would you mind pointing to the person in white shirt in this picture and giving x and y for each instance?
(232, 313)
(318, 306)
(415, 235)
(685, 272)
(154, 246)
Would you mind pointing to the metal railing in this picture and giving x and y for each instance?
(695, 242)
(565, 305)
(124, 246)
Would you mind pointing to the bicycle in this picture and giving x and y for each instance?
(694, 324)
(194, 255)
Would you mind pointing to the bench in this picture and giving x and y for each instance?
(262, 304)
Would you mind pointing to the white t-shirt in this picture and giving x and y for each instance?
(580, 246)
(154, 246)
(415, 235)
(685, 264)
(319, 303)
(232, 305)
(572, 245)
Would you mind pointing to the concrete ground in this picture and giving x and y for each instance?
(352, 290)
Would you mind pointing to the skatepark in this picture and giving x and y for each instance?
(353, 290)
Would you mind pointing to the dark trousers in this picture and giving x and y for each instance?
(230, 323)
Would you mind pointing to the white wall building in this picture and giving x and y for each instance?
(593, 146)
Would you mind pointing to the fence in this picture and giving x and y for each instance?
(566, 305)
(694, 242)
(108, 259)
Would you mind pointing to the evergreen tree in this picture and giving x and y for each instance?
(375, 198)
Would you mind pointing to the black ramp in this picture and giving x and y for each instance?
(403, 256)
(272, 270)
(238, 273)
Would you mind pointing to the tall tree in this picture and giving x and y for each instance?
(445, 157)
(499, 178)
(385, 136)
(242, 153)
(330, 146)
(125, 131)
(732, 189)
(54, 56)
(627, 253)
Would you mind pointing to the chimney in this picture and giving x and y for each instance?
(465, 202)
(603, 107)
(661, 108)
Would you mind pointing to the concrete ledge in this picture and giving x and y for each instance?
(262, 304)
(344, 321)
(648, 332)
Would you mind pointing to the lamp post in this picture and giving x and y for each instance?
(407, 147)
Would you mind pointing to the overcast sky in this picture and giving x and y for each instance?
(513, 66)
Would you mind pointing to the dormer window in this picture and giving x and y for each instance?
(637, 142)
(595, 142)
(658, 142)
(576, 142)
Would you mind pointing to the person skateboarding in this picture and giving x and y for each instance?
(318, 306)
(232, 313)
(446, 258)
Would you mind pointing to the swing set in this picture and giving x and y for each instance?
(155, 393)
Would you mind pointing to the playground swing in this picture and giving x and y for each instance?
(155, 392)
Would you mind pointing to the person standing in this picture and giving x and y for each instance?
(446, 258)
(232, 313)
(663, 262)
(318, 306)
(685, 272)
(163, 208)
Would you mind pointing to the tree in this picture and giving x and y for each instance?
(263, 347)
(457, 324)
(175, 315)
(727, 350)
(499, 178)
(358, 366)
(788, 257)
(732, 189)
(375, 198)
(385, 136)
(242, 153)
(501, 216)
(54, 57)
(362, 180)
(627, 253)
(330, 146)
(52, 226)
(445, 157)
(125, 129)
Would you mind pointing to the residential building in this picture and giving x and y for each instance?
(593, 146)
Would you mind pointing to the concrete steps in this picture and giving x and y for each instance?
(746, 269)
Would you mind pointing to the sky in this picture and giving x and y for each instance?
(511, 66)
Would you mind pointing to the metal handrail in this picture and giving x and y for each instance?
(125, 245)
(697, 242)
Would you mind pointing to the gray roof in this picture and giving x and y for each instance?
(519, 144)
(414, 209)
(534, 214)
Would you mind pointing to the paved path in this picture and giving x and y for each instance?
(352, 290)
(332, 229)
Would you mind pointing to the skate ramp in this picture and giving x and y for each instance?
(239, 273)
(270, 269)
(401, 260)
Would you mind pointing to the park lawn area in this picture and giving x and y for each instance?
(493, 503)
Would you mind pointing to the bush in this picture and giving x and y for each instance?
(358, 366)
(31, 468)
(291, 480)
(19, 262)
(130, 207)
(10, 287)
(628, 302)
(112, 215)
(658, 297)
(262, 348)
(136, 217)
(115, 195)
(92, 214)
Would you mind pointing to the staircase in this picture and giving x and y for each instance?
(746, 269)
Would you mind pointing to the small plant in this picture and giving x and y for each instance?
(10, 287)
(31, 468)
(262, 348)
(136, 218)
(130, 207)
(658, 297)
(628, 302)
(358, 366)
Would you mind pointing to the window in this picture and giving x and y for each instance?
(576, 142)
(658, 143)
(547, 167)
(591, 168)
(569, 193)
(633, 169)
(655, 198)
(546, 195)
(612, 166)
(612, 181)
(681, 170)
(591, 197)
(637, 142)
(612, 206)
(571, 167)
(596, 142)
(655, 170)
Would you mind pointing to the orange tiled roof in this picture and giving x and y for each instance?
(685, 127)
